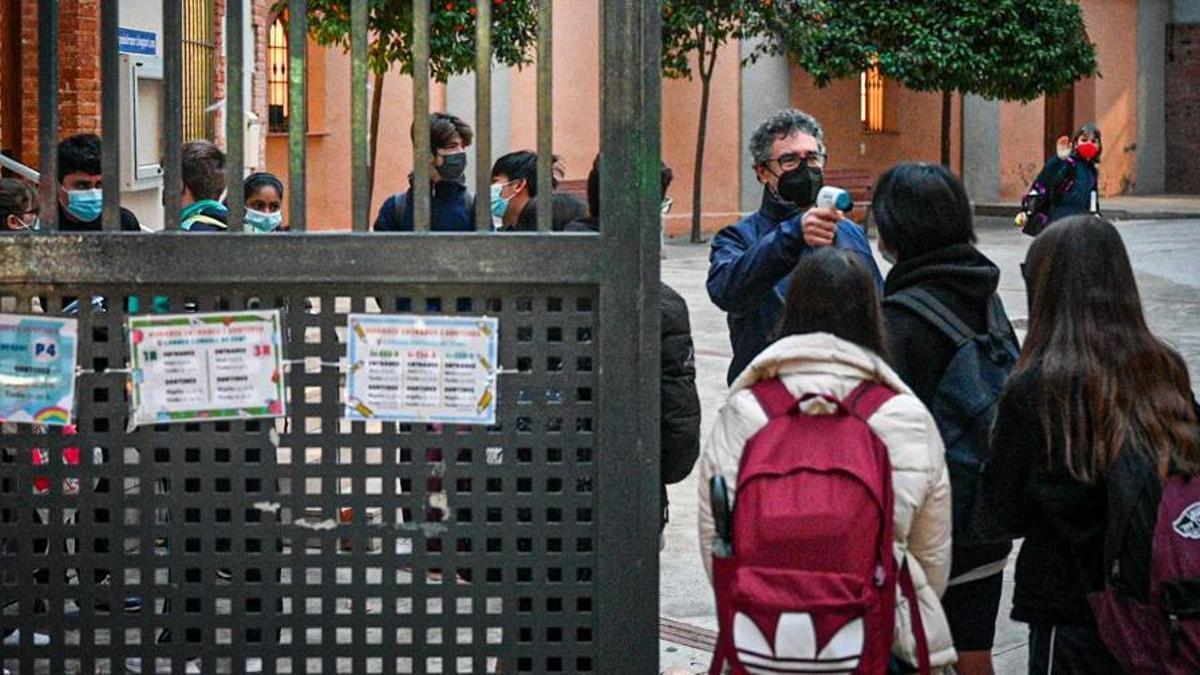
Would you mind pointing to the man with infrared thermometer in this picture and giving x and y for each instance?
(751, 261)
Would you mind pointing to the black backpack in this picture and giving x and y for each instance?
(965, 402)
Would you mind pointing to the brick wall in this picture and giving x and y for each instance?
(1183, 108)
(258, 102)
(79, 72)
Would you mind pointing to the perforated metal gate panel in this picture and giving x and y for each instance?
(457, 547)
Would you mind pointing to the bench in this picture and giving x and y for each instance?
(859, 183)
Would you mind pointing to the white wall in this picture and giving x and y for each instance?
(144, 15)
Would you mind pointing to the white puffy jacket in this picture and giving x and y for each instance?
(823, 364)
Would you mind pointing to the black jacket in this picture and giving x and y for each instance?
(679, 399)
(1061, 519)
(964, 280)
(129, 222)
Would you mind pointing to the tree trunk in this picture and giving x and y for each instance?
(376, 100)
(706, 74)
(947, 98)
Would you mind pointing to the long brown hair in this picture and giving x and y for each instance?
(1106, 382)
(833, 292)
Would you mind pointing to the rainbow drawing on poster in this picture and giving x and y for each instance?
(56, 416)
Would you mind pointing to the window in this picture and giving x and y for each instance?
(870, 99)
(199, 44)
(277, 75)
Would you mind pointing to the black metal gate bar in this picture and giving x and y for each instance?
(48, 112)
(172, 135)
(627, 569)
(298, 114)
(358, 115)
(110, 116)
(545, 115)
(421, 143)
(483, 113)
(235, 118)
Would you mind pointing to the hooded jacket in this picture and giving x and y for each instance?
(821, 363)
(750, 271)
(206, 215)
(964, 280)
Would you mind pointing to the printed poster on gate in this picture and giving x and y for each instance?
(411, 368)
(37, 368)
(206, 366)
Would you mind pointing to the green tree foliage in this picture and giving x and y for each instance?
(451, 39)
(451, 33)
(1013, 50)
(695, 32)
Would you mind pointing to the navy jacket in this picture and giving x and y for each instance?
(451, 210)
(750, 269)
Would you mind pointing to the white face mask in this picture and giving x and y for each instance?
(261, 221)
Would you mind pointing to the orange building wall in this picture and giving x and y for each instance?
(680, 122)
(913, 124)
(577, 118)
(329, 176)
(575, 88)
(1021, 157)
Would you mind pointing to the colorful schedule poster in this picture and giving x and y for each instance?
(220, 365)
(411, 368)
(37, 368)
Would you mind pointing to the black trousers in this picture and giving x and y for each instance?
(1069, 650)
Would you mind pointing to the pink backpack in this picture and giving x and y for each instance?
(810, 583)
(1148, 612)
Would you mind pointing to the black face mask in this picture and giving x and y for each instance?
(801, 185)
(453, 166)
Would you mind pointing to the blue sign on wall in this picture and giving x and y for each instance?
(132, 41)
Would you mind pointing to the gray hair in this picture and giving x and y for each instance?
(782, 125)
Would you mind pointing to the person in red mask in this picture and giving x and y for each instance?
(1068, 185)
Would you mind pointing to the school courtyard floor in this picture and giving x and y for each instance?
(1164, 254)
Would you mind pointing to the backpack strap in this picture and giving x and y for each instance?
(774, 397)
(925, 305)
(867, 398)
(914, 611)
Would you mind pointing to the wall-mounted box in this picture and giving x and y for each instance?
(142, 110)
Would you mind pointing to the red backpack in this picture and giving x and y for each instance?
(810, 583)
(1148, 611)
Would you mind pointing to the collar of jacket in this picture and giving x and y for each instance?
(197, 207)
(775, 209)
(819, 352)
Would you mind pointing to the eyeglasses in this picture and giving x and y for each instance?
(793, 160)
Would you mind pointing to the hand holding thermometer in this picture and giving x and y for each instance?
(722, 518)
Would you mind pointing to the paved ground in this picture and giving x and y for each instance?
(1165, 255)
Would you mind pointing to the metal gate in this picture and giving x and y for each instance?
(527, 546)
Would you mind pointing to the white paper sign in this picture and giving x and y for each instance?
(412, 368)
(220, 365)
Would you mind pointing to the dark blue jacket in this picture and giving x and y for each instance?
(451, 210)
(750, 269)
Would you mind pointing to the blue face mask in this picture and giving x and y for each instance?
(499, 204)
(85, 204)
(260, 221)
